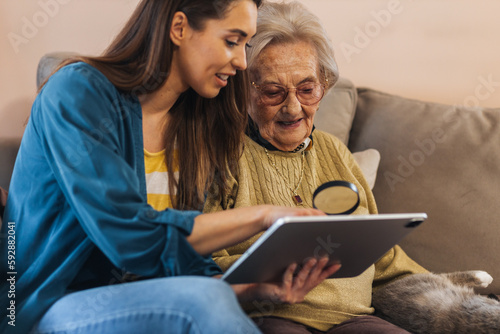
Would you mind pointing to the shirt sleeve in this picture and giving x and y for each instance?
(82, 123)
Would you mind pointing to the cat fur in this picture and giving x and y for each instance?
(439, 303)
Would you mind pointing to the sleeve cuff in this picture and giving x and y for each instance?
(183, 220)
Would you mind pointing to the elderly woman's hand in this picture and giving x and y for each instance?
(293, 288)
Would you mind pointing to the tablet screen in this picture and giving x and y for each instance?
(355, 241)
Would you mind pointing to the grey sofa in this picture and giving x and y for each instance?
(439, 159)
(8, 152)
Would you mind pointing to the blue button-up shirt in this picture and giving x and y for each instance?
(78, 199)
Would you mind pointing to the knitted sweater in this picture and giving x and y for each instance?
(334, 300)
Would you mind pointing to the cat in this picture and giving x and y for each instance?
(439, 303)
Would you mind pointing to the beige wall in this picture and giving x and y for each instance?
(85, 26)
(437, 50)
(445, 51)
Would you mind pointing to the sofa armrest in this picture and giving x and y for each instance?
(8, 153)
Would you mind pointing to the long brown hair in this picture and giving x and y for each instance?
(208, 132)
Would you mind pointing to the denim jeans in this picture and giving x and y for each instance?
(184, 304)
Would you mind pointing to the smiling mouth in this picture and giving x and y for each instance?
(289, 122)
(223, 77)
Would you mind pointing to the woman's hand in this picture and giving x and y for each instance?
(273, 213)
(218, 230)
(292, 289)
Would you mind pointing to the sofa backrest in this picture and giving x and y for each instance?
(443, 160)
(48, 63)
(336, 110)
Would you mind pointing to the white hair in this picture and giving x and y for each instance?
(288, 23)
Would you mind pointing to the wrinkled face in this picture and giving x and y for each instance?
(291, 65)
(207, 58)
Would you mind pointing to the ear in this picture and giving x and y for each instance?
(179, 28)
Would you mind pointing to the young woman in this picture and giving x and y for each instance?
(85, 216)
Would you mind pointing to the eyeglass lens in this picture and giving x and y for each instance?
(307, 94)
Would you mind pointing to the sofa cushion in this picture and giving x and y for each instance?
(3, 202)
(48, 63)
(8, 153)
(336, 110)
(368, 160)
(442, 160)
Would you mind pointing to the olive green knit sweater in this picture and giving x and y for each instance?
(258, 182)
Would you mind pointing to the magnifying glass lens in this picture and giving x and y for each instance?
(336, 197)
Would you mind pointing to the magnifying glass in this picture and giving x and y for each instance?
(336, 198)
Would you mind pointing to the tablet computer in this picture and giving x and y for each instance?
(354, 241)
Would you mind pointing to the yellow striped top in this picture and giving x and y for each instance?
(159, 196)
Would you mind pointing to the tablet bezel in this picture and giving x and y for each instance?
(359, 241)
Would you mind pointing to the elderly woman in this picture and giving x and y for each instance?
(285, 159)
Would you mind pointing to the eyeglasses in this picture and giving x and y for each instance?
(307, 93)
